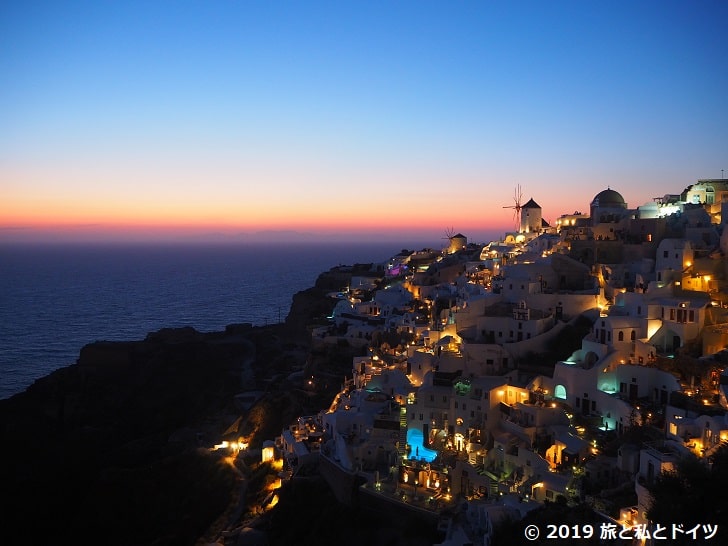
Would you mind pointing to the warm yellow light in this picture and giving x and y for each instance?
(268, 454)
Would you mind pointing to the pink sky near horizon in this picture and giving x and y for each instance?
(366, 215)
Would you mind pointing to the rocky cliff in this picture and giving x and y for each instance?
(112, 449)
(115, 449)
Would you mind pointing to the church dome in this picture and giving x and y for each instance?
(609, 199)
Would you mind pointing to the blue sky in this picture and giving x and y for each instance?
(352, 116)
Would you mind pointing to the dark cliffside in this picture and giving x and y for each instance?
(113, 450)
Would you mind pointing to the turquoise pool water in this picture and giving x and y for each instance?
(419, 451)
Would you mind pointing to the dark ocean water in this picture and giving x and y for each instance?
(54, 299)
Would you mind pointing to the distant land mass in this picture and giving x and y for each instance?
(104, 234)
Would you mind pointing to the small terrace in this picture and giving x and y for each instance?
(417, 485)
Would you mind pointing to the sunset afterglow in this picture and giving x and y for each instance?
(359, 120)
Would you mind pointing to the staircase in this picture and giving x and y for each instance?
(492, 484)
(402, 444)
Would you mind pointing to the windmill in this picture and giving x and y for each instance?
(517, 196)
(449, 234)
(455, 241)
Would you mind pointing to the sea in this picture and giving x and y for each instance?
(56, 298)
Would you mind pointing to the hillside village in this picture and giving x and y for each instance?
(463, 391)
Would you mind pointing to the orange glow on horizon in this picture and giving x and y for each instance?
(161, 227)
(168, 198)
(303, 218)
(185, 217)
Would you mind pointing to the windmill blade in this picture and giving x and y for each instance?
(517, 197)
(517, 206)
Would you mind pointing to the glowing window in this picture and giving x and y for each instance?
(560, 392)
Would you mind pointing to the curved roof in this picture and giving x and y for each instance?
(608, 198)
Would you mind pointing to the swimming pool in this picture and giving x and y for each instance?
(419, 451)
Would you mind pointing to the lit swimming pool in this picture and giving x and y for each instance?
(419, 451)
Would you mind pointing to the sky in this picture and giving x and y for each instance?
(348, 120)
